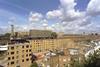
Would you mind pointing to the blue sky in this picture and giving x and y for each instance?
(82, 4)
(20, 9)
(25, 6)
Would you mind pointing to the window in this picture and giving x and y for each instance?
(26, 55)
(12, 57)
(30, 50)
(12, 62)
(29, 54)
(12, 48)
(8, 53)
(26, 50)
(18, 66)
(22, 56)
(8, 63)
(39, 50)
(27, 59)
(22, 46)
(8, 58)
(17, 52)
(17, 57)
(12, 52)
(23, 60)
(27, 46)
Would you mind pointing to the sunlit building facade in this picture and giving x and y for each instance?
(19, 55)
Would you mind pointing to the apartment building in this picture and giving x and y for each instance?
(42, 34)
(21, 34)
(19, 55)
(72, 52)
(42, 45)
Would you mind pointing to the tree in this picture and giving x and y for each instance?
(54, 35)
(7, 34)
(34, 64)
(93, 60)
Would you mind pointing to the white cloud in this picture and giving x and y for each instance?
(93, 7)
(69, 12)
(54, 14)
(44, 21)
(68, 4)
(21, 28)
(12, 21)
(4, 29)
(70, 19)
(35, 17)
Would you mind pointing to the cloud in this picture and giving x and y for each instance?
(44, 24)
(65, 18)
(71, 20)
(38, 21)
(12, 20)
(35, 17)
(68, 4)
(4, 29)
(93, 7)
(69, 12)
(54, 14)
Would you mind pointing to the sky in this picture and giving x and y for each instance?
(69, 16)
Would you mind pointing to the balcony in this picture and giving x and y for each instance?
(3, 48)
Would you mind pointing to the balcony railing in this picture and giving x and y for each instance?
(3, 48)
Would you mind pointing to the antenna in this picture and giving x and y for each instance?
(12, 30)
(11, 22)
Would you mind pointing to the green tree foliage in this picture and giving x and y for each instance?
(54, 35)
(7, 34)
(34, 64)
(93, 60)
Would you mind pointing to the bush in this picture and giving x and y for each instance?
(34, 64)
